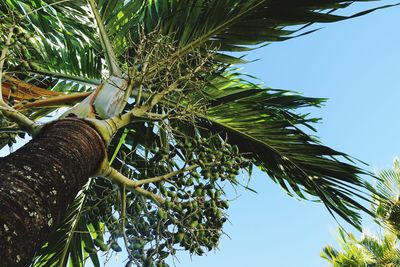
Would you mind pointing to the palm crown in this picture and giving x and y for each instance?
(178, 58)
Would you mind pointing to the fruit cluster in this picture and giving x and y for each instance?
(189, 209)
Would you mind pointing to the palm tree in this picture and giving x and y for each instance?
(388, 213)
(369, 251)
(158, 116)
(373, 251)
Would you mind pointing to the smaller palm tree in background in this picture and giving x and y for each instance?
(369, 251)
(374, 250)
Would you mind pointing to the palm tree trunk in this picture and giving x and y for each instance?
(39, 181)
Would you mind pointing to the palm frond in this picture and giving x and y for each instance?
(71, 241)
(388, 212)
(389, 185)
(58, 40)
(224, 25)
(266, 125)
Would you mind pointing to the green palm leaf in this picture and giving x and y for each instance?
(225, 25)
(60, 40)
(388, 212)
(71, 240)
(265, 125)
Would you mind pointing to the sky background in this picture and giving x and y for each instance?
(356, 64)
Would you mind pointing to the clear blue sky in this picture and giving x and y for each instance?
(356, 64)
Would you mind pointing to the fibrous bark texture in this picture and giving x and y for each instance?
(39, 181)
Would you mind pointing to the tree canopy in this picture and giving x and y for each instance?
(159, 81)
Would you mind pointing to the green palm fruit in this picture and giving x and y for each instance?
(163, 190)
(177, 208)
(230, 163)
(199, 251)
(171, 194)
(196, 175)
(197, 192)
(189, 182)
(167, 204)
(99, 243)
(194, 224)
(179, 237)
(137, 246)
(219, 215)
(225, 204)
(215, 239)
(161, 214)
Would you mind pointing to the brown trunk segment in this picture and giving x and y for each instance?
(39, 181)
